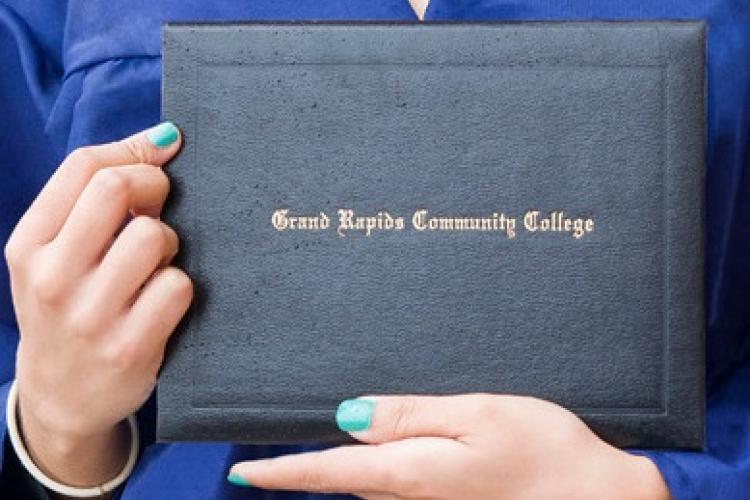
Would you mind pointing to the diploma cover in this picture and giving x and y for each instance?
(388, 208)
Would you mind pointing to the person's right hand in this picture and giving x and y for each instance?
(96, 300)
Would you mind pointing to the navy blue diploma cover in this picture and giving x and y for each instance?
(437, 208)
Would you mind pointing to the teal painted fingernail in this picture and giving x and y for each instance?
(238, 480)
(354, 415)
(163, 135)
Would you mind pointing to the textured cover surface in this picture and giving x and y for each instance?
(603, 122)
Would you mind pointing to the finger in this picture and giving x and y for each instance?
(346, 469)
(102, 208)
(404, 468)
(144, 245)
(391, 418)
(158, 309)
(46, 215)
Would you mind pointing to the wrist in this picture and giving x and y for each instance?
(72, 458)
(79, 465)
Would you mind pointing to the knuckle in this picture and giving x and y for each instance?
(403, 414)
(179, 282)
(13, 253)
(110, 183)
(138, 150)
(172, 240)
(148, 232)
(163, 179)
(82, 158)
(47, 286)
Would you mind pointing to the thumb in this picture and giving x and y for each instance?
(154, 146)
(47, 214)
(391, 418)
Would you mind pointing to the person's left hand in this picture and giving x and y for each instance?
(461, 447)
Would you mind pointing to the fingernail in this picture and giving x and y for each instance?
(163, 135)
(354, 415)
(238, 480)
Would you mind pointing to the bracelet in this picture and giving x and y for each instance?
(51, 484)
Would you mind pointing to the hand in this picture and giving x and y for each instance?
(95, 303)
(460, 447)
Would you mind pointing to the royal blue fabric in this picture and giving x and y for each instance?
(88, 71)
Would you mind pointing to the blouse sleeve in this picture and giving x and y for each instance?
(722, 471)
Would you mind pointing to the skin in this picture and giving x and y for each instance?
(95, 305)
(419, 7)
(475, 446)
(96, 300)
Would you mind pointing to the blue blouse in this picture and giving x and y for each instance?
(79, 72)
